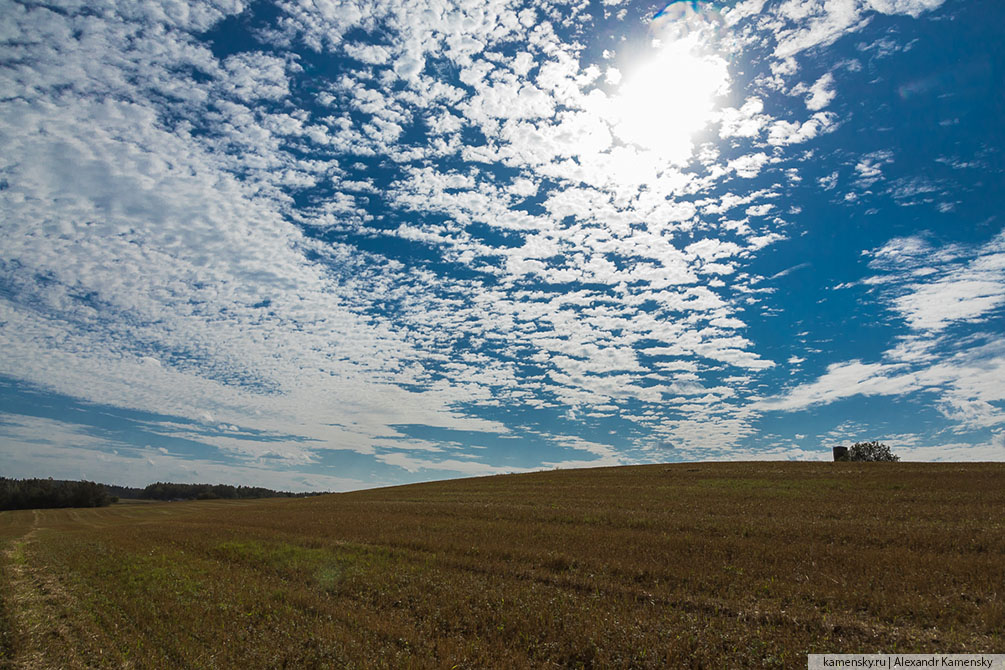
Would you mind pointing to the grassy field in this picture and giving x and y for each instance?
(691, 565)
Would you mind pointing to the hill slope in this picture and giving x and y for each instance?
(691, 565)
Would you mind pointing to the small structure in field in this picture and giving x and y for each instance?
(840, 453)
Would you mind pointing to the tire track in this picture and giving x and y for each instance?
(46, 619)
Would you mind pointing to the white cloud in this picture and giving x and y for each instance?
(829, 182)
(748, 121)
(914, 8)
(372, 54)
(816, 24)
(844, 380)
(962, 371)
(821, 94)
(177, 221)
(870, 166)
(965, 383)
(759, 210)
(783, 133)
(749, 166)
(456, 466)
(255, 75)
(939, 287)
(39, 447)
(991, 451)
(969, 296)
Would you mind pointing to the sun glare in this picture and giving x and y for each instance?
(665, 101)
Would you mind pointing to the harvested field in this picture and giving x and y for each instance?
(685, 565)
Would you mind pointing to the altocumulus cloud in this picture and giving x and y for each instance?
(365, 243)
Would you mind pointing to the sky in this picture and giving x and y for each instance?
(340, 244)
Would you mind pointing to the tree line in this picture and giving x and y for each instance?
(38, 493)
(172, 491)
(45, 493)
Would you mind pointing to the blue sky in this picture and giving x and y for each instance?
(342, 244)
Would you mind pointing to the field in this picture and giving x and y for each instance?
(691, 565)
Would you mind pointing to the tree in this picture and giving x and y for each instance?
(41, 493)
(871, 451)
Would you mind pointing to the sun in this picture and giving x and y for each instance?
(670, 97)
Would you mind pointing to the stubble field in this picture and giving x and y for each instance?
(688, 565)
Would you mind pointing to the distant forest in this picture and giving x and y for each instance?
(169, 491)
(37, 493)
(43, 493)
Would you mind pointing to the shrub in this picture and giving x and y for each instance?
(871, 451)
